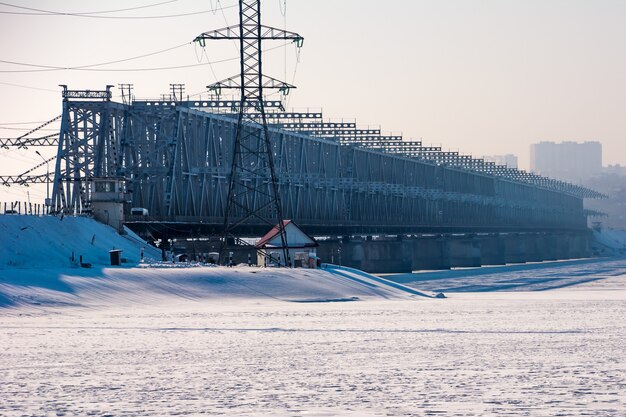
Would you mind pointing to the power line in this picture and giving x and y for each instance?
(55, 13)
(88, 13)
(29, 87)
(52, 67)
(48, 68)
(23, 128)
(22, 123)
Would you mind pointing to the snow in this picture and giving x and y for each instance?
(609, 241)
(155, 339)
(35, 270)
(545, 353)
(540, 276)
(48, 241)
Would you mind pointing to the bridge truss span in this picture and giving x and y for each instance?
(176, 161)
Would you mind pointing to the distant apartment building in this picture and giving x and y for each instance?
(508, 160)
(616, 169)
(569, 161)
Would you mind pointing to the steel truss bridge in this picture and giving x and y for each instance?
(335, 178)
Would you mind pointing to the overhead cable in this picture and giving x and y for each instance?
(85, 67)
(20, 128)
(46, 68)
(56, 13)
(21, 123)
(88, 13)
(29, 87)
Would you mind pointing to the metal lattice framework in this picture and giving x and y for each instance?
(253, 191)
(233, 166)
(176, 161)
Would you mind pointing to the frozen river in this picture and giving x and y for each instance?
(548, 353)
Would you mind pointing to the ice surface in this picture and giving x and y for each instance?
(525, 277)
(542, 353)
(158, 340)
(472, 355)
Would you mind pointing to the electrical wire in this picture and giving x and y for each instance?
(48, 68)
(22, 128)
(21, 123)
(221, 9)
(293, 78)
(218, 5)
(230, 59)
(89, 13)
(52, 67)
(29, 87)
(55, 13)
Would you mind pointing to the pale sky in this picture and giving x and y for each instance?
(481, 77)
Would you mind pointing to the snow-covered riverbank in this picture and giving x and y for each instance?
(36, 270)
(156, 340)
(549, 353)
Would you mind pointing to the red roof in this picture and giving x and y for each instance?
(275, 231)
(271, 234)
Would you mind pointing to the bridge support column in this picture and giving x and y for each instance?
(515, 252)
(430, 253)
(560, 243)
(464, 251)
(376, 256)
(546, 246)
(533, 249)
(492, 250)
(386, 256)
(579, 245)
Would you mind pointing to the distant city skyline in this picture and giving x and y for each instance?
(483, 78)
(569, 161)
(508, 160)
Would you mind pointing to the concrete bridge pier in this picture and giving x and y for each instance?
(381, 256)
(384, 256)
(437, 252)
(579, 245)
(464, 251)
(546, 246)
(533, 247)
(492, 249)
(560, 243)
(430, 253)
(515, 248)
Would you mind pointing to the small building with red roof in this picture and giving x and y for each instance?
(302, 248)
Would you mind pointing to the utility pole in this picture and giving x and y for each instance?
(177, 91)
(127, 93)
(253, 190)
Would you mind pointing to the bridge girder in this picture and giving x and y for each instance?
(176, 162)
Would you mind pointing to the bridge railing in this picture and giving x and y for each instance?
(23, 208)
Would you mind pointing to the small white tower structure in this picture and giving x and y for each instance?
(107, 199)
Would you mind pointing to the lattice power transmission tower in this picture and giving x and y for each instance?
(253, 192)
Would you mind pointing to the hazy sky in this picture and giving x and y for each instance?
(482, 77)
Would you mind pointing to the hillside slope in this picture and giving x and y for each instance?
(35, 270)
(49, 241)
